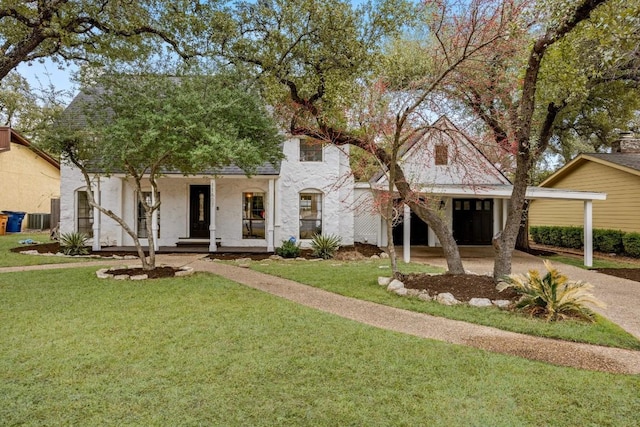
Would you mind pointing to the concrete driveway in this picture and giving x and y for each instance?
(622, 296)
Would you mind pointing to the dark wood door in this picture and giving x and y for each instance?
(419, 232)
(199, 211)
(473, 221)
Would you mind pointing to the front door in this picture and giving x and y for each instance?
(473, 221)
(199, 211)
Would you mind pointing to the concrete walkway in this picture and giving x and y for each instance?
(622, 296)
(563, 353)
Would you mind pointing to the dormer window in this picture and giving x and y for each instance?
(310, 150)
(441, 155)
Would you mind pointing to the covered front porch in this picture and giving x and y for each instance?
(496, 199)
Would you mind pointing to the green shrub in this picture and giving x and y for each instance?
(631, 242)
(543, 234)
(74, 244)
(534, 233)
(325, 247)
(552, 296)
(572, 237)
(289, 248)
(609, 241)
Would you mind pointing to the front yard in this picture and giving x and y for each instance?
(205, 351)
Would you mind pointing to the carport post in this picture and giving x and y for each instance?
(588, 233)
(406, 237)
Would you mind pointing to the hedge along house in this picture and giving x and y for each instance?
(441, 163)
(616, 173)
(309, 192)
(29, 177)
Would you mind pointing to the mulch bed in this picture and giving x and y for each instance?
(482, 286)
(462, 286)
(156, 273)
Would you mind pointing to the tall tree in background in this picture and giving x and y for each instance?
(92, 30)
(144, 125)
(316, 57)
(522, 98)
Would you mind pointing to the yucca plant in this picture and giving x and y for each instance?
(74, 243)
(325, 247)
(552, 295)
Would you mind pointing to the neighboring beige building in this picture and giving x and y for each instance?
(617, 174)
(29, 177)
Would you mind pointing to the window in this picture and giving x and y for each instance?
(253, 223)
(442, 154)
(310, 215)
(141, 218)
(310, 150)
(84, 214)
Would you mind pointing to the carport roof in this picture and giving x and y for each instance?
(503, 191)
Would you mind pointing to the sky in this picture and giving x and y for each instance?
(40, 74)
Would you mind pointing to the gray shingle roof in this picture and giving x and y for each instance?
(630, 160)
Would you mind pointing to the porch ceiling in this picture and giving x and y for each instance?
(503, 191)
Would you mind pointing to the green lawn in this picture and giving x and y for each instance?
(359, 280)
(205, 351)
(11, 259)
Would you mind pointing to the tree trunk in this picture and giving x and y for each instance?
(522, 241)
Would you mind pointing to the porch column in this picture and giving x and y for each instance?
(96, 215)
(505, 212)
(213, 247)
(497, 205)
(154, 224)
(406, 235)
(588, 233)
(271, 203)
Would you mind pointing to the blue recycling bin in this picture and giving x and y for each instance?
(14, 222)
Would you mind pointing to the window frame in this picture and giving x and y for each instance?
(88, 216)
(311, 151)
(319, 219)
(141, 229)
(256, 214)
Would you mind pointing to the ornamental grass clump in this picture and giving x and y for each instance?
(552, 296)
(74, 244)
(325, 247)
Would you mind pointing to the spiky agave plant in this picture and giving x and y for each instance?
(553, 295)
(74, 243)
(325, 247)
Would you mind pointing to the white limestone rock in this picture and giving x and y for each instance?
(121, 277)
(139, 277)
(394, 285)
(447, 298)
(375, 257)
(276, 257)
(502, 303)
(384, 281)
(424, 296)
(103, 273)
(185, 271)
(243, 261)
(31, 252)
(413, 292)
(401, 291)
(480, 302)
(384, 255)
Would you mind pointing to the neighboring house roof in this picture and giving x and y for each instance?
(627, 162)
(8, 135)
(442, 124)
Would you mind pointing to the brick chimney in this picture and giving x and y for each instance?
(627, 143)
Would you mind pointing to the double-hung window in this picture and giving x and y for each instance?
(310, 150)
(310, 215)
(253, 215)
(140, 214)
(84, 214)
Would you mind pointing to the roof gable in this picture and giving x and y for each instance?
(8, 136)
(466, 164)
(626, 162)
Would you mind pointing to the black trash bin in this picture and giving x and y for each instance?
(14, 222)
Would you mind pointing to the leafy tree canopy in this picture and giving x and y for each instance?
(90, 30)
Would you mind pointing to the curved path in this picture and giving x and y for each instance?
(557, 352)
